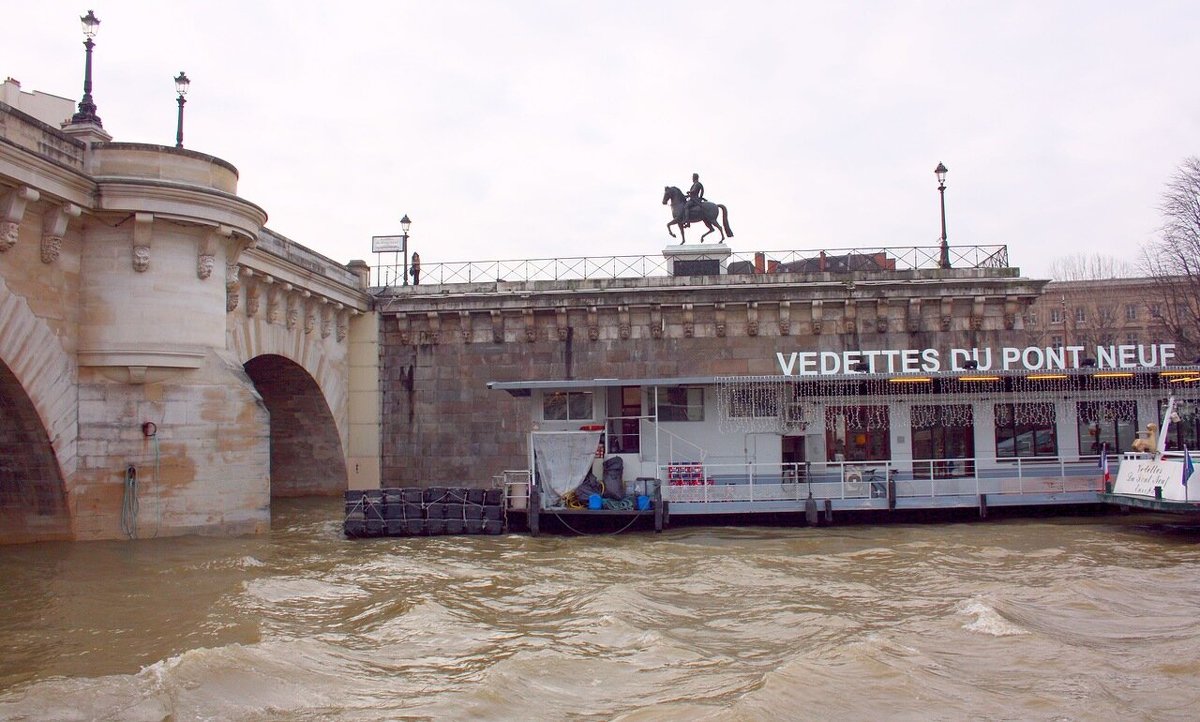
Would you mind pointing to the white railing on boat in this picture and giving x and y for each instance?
(711, 481)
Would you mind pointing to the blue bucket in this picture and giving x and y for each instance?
(595, 502)
(643, 503)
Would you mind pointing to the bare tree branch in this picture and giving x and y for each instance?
(1174, 261)
(1093, 267)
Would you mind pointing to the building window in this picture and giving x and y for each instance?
(1106, 422)
(1056, 315)
(1155, 310)
(1056, 341)
(1107, 315)
(680, 403)
(1131, 313)
(567, 406)
(1080, 315)
(1132, 340)
(1031, 319)
(1025, 431)
(1107, 339)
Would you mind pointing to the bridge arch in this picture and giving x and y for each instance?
(307, 456)
(38, 425)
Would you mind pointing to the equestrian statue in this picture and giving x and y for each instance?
(692, 207)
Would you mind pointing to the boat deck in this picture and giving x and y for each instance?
(819, 496)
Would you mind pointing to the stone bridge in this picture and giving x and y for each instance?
(167, 364)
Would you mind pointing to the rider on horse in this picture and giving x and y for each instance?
(695, 195)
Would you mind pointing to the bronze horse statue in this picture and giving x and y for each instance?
(704, 212)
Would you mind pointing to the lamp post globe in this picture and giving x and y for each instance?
(940, 172)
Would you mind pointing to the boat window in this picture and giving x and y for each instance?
(567, 406)
(943, 441)
(857, 433)
(624, 430)
(680, 403)
(1185, 431)
(1025, 431)
(1106, 422)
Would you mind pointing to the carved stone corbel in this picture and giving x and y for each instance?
(233, 285)
(881, 316)
(752, 318)
(253, 297)
(343, 325)
(343, 322)
(54, 227)
(143, 234)
(947, 310)
(785, 318)
(689, 321)
(719, 319)
(1011, 304)
(432, 335)
(561, 325)
(850, 316)
(913, 322)
(817, 309)
(464, 326)
(657, 325)
(530, 327)
(326, 319)
(623, 328)
(274, 299)
(291, 317)
(977, 312)
(206, 257)
(309, 309)
(593, 324)
(497, 327)
(12, 210)
(404, 328)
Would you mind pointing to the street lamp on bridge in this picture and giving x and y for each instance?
(940, 172)
(405, 224)
(87, 108)
(181, 87)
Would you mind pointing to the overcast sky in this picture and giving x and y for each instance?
(521, 129)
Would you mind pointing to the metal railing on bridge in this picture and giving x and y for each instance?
(828, 260)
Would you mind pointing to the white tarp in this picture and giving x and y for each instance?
(563, 460)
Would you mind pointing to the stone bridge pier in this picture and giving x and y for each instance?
(167, 364)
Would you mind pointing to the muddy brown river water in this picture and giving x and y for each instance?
(1075, 618)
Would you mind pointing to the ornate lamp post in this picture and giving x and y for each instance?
(940, 172)
(87, 109)
(405, 224)
(181, 87)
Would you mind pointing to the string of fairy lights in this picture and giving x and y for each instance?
(789, 404)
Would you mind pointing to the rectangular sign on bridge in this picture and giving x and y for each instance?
(387, 244)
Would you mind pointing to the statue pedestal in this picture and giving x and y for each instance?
(697, 259)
